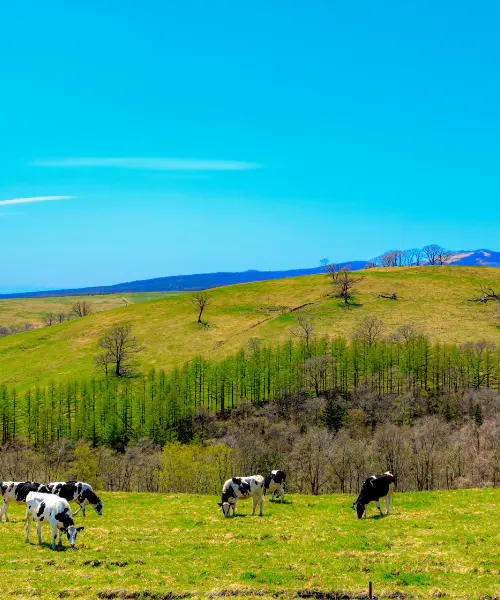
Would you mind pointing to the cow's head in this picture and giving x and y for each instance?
(98, 507)
(359, 508)
(72, 532)
(226, 507)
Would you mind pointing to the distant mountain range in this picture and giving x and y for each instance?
(476, 258)
(204, 281)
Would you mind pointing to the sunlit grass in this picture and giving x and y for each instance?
(439, 544)
(433, 299)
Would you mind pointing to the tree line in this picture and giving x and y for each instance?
(407, 376)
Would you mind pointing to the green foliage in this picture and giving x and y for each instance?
(85, 467)
(334, 414)
(160, 406)
(435, 544)
(196, 469)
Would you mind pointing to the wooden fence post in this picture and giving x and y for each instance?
(370, 590)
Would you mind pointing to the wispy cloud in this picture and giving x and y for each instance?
(34, 199)
(152, 164)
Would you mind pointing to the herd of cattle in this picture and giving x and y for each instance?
(50, 503)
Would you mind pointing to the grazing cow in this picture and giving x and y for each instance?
(16, 491)
(374, 488)
(275, 482)
(76, 491)
(242, 487)
(47, 508)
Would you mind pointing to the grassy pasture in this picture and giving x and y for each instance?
(436, 544)
(433, 299)
(17, 311)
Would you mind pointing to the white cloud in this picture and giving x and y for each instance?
(34, 199)
(152, 164)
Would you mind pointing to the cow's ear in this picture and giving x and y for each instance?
(80, 528)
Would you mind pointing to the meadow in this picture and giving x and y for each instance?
(433, 299)
(434, 544)
(18, 311)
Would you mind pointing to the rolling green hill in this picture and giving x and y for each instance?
(433, 299)
(433, 545)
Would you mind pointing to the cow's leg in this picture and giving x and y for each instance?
(39, 531)
(1, 511)
(261, 505)
(282, 494)
(60, 538)
(80, 508)
(28, 523)
(378, 506)
(388, 502)
(272, 497)
(234, 509)
(6, 511)
(54, 535)
(254, 504)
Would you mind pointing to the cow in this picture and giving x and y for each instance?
(48, 508)
(374, 488)
(16, 491)
(242, 487)
(275, 482)
(76, 491)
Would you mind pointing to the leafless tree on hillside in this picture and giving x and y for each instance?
(82, 308)
(61, 317)
(345, 284)
(49, 319)
(369, 330)
(333, 269)
(119, 348)
(199, 301)
(303, 329)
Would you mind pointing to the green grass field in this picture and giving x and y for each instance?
(435, 544)
(433, 299)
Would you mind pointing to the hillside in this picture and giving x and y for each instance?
(433, 545)
(18, 311)
(433, 299)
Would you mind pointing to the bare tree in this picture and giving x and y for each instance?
(28, 327)
(345, 284)
(417, 256)
(199, 301)
(82, 308)
(119, 348)
(316, 372)
(333, 269)
(443, 256)
(49, 319)
(432, 253)
(61, 317)
(303, 329)
(369, 330)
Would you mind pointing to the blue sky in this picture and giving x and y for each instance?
(198, 136)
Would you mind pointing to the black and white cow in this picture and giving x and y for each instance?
(374, 488)
(16, 491)
(242, 487)
(76, 491)
(47, 508)
(275, 483)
